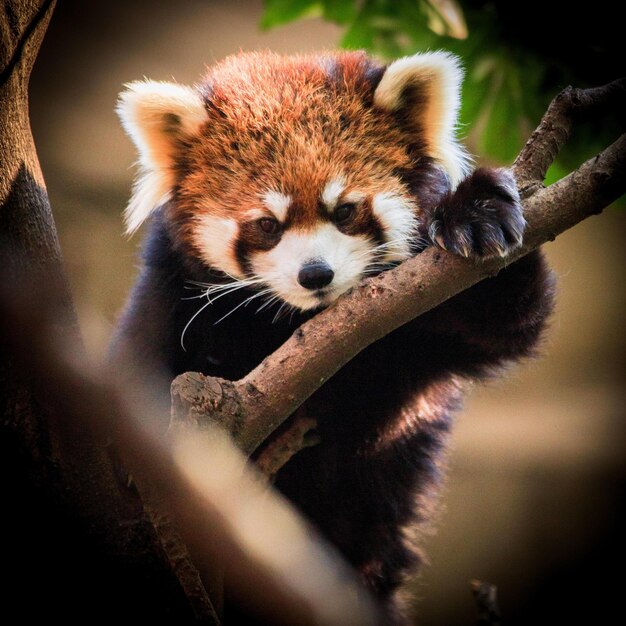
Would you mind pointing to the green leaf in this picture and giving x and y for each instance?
(279, 12)
(359, 35)
(339, 11)
(496, 127)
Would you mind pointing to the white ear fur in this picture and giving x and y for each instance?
(438, 75)
(154, 115)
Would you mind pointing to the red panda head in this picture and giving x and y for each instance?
(293, 173)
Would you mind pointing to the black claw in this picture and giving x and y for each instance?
(494, 242)
(513, 233)
(477, 243)
(450, 244)
(459, 240)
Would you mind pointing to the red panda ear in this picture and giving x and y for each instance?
(157, 116)
(425, 92)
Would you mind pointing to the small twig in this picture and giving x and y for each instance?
(295, 435)
(486, 597)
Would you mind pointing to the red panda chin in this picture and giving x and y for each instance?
(314, 300)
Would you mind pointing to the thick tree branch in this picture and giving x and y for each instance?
(15, 46)
(255, 406)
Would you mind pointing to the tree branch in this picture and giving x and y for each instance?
(74, 469)
(253, 407)
(299, 434)
(569, 107)
(42, 16)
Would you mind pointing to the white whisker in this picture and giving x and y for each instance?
(226, 293)
(209, 291)
(269, 302)
(243, 303)
(202, 295)
(218, 286)
(193, 317)
(277, 316)
(228, 286)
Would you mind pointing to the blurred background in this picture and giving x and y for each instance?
(535, 493)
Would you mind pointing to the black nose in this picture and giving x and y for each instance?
(315, 275)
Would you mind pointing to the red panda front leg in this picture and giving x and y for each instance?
(482, 217)
(500, 318)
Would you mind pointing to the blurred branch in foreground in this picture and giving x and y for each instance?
(73, 531)
(274, 564)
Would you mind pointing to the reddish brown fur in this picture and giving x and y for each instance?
(273, 119)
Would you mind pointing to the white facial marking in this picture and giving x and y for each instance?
(214, 238)
(254, 214)
(397, 217)
(354, 196)
(278, 203)
(346, 255)
(332, 191)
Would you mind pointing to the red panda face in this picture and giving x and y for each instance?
(287, 173)
(309, 257)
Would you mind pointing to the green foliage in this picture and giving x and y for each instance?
(278, 12)
(517, 57)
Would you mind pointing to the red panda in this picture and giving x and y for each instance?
(273, 187)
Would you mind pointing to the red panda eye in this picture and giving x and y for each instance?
(269, 225)
(344, 212)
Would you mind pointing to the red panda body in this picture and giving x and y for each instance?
(273, 188)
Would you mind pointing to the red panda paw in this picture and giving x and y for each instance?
(482, 218)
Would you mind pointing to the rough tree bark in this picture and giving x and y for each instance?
(253, 407)
(95, 539)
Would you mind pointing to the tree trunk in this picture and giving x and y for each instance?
(77, 540)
